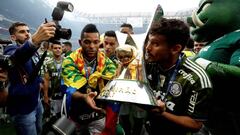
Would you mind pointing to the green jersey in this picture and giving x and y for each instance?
(224, 72)
(186, 90)
(54, 69)
(223, 50)
(47, 58)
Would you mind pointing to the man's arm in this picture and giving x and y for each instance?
(89, 99)
(219, 69)
(184, 121)
(229, 70)
(45, 88)
(22, 54)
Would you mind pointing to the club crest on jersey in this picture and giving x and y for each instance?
(176, 89)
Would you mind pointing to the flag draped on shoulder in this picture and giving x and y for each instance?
(74, 75)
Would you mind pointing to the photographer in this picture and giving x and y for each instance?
(24, 104)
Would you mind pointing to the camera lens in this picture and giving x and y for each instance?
(65, 33)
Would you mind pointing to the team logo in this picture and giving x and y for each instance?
(176, 89)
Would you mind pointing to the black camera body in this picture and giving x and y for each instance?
(57, 15)
(5, 42)
(5, 61)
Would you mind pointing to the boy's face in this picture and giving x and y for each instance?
(198, 46)
(110, 44)
(57, 49)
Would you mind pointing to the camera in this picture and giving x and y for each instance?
(57, 15)
(5, 62)
(5, 42)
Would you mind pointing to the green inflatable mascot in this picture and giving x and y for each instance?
(217, 22)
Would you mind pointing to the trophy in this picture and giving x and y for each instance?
(131, 84)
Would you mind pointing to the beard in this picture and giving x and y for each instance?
(149, 57)
(20, 42)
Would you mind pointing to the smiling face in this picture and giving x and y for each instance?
(198, 46)
(57, 50)
(214, 18)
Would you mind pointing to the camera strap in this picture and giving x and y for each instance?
(37, 68)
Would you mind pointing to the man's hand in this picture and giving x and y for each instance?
(160, 108)
(3, 75)
(89, 99)
(44, 32)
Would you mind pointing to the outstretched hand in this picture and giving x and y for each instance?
(89, 99)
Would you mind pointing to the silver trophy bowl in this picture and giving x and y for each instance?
(130, 91)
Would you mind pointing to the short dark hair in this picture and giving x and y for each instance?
(89, 28)
(127, 25)
(110, 33)
(175, 31)
(67, 43)
(12, 28)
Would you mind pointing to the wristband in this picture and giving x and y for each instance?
(203, 62)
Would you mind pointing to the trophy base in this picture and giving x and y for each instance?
(130, 91)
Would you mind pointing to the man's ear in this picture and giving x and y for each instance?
(79, 41)
(176, 48)
(13, 37)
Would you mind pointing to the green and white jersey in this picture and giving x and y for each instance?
(187, 95)
(190, 91)
(54, 69)
(47, 58)
(224, 73)
(223, 50)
